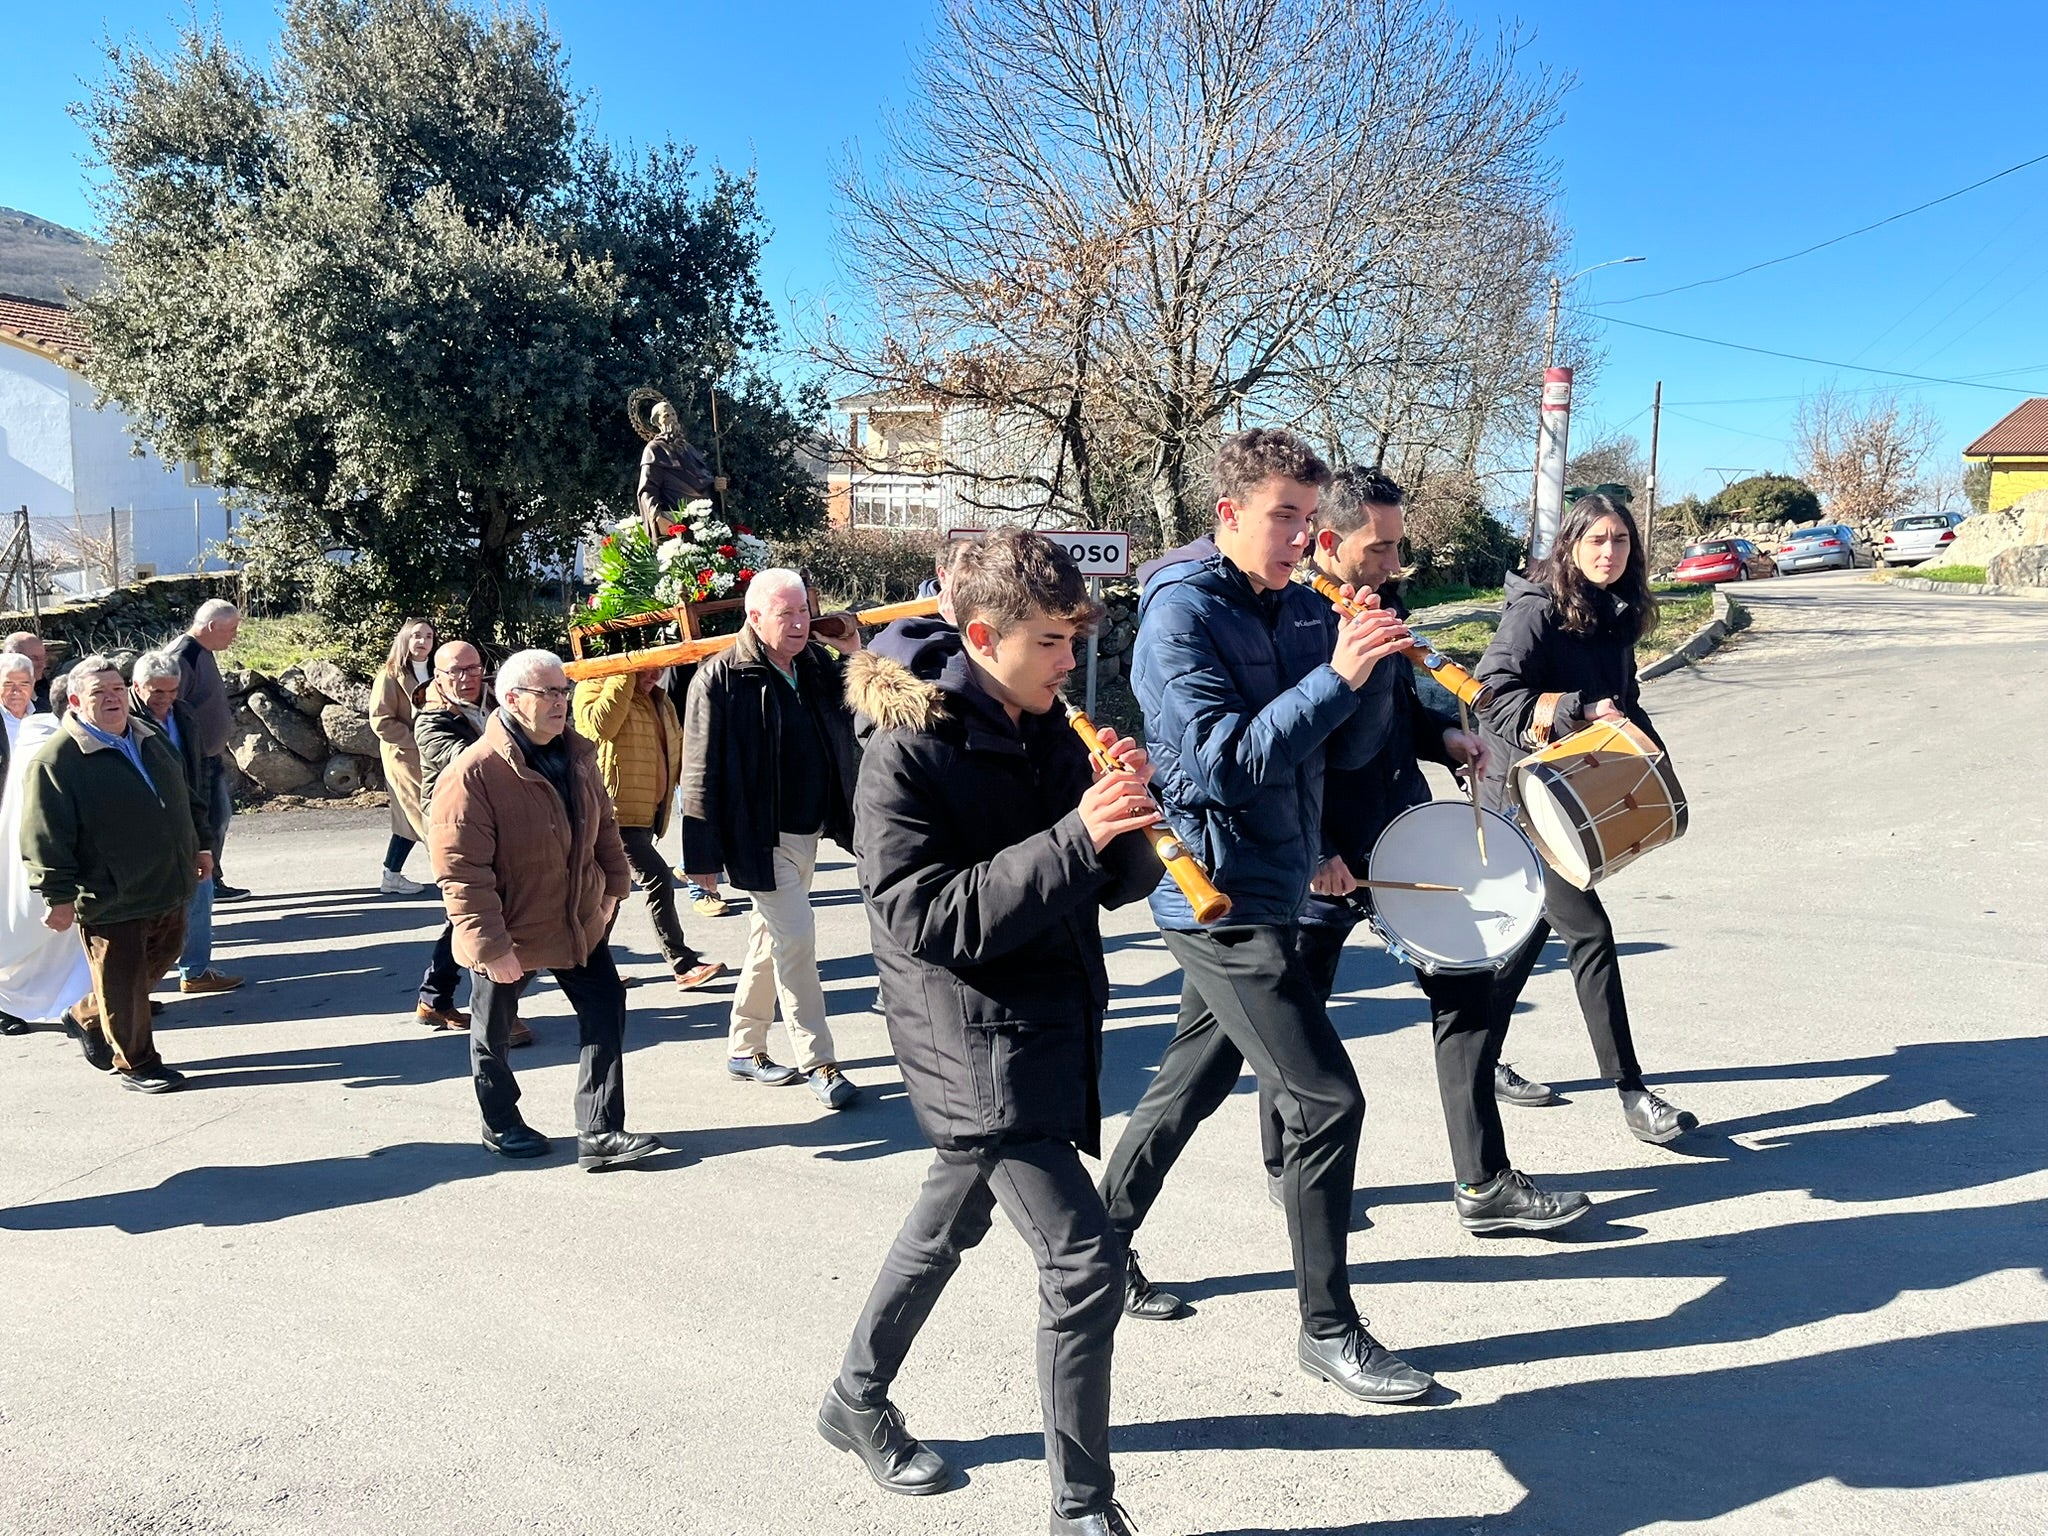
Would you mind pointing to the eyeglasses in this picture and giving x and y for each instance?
(462, 671)
(552, 693)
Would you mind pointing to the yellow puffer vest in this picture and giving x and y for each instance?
(639, 744)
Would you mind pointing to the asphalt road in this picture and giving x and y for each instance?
(301, 1298)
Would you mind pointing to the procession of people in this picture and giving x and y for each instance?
(1285, 728)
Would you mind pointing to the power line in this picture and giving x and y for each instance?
(1707, 282)
(1797, 357)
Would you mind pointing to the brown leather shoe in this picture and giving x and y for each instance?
(697, 975)
(519, 1035)
(209, 980)
(442, 1018)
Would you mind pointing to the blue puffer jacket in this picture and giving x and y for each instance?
(1242, 708)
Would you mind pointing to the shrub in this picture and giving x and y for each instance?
(1767, 499)
(1453, 540)
(860, 567)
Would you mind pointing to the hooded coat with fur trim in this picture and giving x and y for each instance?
(983, 892)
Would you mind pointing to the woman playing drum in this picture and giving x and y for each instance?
(1564, 658)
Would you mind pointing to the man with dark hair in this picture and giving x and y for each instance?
(1358, 543)
(985, 854)
(1249, 682)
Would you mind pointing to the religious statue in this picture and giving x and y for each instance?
(672, 472)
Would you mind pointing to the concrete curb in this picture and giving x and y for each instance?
(1730, 618)
(1964, 588)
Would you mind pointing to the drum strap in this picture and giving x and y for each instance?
(1540, 722)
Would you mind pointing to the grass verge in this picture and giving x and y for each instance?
(271, 645)
(1972, 574)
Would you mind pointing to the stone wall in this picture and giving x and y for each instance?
(305, 732)
(139, 616)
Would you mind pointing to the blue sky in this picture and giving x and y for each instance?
(1701, 137)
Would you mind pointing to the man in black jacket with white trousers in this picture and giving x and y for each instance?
(985, 854)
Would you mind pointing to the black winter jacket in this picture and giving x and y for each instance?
(731, 775)
(1544, 677)
(983, 890)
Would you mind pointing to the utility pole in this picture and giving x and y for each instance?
(1553, 423)
(1650, 517)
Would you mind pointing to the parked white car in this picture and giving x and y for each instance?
(1921, 536)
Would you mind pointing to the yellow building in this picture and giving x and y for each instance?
(2017, 452)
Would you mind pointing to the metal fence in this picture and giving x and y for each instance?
(46, 559)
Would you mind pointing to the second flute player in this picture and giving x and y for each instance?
(985, 855)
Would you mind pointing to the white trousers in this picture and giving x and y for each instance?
(782, 962)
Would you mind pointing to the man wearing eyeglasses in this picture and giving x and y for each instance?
(453, 716)
(527, 851)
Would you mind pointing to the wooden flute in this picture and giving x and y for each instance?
(1210, 905)
(1461, 684)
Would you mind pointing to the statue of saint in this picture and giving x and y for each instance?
(672, 472)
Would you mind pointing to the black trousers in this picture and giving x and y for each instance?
(599, 998)
(1045, 1192)
(1246, 998)
(1577, 917)
(437, 983)
(657, 882)
(1320, 947)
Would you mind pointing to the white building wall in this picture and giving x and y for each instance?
(35, 434)
(71, 464)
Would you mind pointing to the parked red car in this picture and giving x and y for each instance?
(1723, 560)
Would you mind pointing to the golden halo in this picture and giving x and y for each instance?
(640, 406)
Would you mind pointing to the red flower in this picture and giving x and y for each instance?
(593, 596)
(743, 528)
(607, 542)
(728, 550)
(745, 574)
(676, 528)
(681, 530)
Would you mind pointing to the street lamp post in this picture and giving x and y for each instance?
(1546, 483)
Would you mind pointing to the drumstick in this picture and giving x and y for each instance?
(1406, 885)
(1472, 784)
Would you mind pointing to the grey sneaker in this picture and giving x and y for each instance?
(832, 1087)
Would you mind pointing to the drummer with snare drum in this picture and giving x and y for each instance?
(1357, 541)
(1564, 658)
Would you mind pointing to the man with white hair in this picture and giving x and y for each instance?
(527, 850)
(26, 642)
(112, 836)
(768, 767)
(213, 630)
(154, 681)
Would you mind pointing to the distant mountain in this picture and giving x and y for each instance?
(39, 260)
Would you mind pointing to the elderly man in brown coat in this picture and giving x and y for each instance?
(527, 851)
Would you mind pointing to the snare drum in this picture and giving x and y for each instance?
(1600, 799)
(1479, 926)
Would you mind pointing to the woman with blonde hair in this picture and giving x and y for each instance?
(397, 694)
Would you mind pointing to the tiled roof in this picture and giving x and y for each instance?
(51, 329)
(2025, 431)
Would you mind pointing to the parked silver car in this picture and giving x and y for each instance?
(1829, 546)
(1919, 537)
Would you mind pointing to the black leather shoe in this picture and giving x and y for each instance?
(608, 1149)
(1510, 1203)
(1362, 1366)
(225, 892)
(1510, 1087)
(894, 1458)
(521, 1140)
(1104, 1522)
(93, 1042)
(1142, 1299)
(156, 1079)
(10, 1025)
(1654, 1119)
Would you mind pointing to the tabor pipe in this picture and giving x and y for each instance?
(1210, 904)
(1466, 688)
(683, 653)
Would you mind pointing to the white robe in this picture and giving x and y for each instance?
(41, 973)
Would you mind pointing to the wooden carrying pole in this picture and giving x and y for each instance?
(683, 653)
